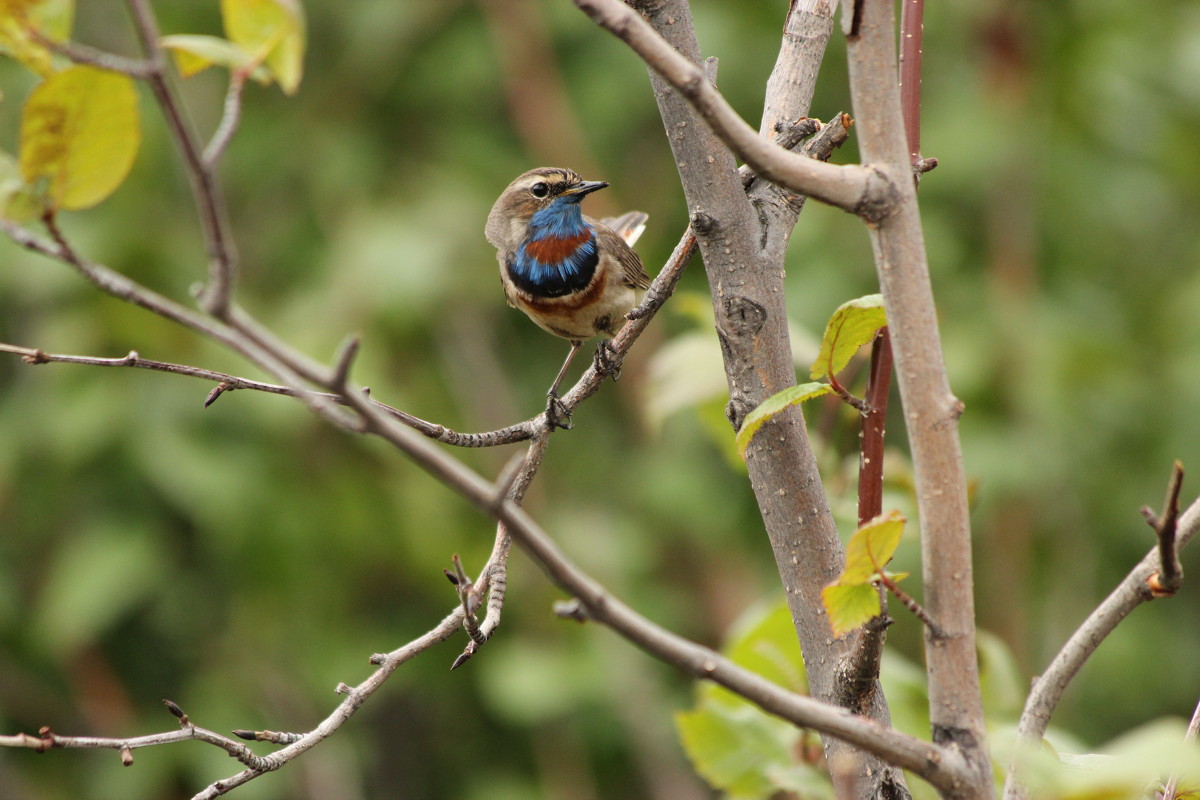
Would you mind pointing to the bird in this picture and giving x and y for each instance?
(574, 276)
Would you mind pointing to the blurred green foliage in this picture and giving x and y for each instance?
(243, 559)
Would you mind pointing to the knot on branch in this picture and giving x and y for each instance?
(743, 316)
(880, 198)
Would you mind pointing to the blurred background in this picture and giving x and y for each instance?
(244, 559)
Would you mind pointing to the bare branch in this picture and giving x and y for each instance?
(82, 54)
(857, 189)
(1130, 593)
(230, 118)
(206, 189)
(1169, 577)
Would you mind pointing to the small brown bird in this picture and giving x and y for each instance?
(574, 276)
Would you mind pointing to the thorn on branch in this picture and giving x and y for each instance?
(344, 361)
(1169, 577)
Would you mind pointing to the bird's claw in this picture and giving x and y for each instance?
(607, 361)
(557, 413)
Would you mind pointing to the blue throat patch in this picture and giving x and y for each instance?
(559, 254)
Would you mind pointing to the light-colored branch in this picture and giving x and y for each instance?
(206, 188)
(48, 740)
(930, 409)
(230, 118)
(1052, 683)
(857, 189)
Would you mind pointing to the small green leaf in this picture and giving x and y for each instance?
(772, 406)
(196, 53)
(79, 135)
(854, 324)
(272, 31)
(849, 605)
(852, 599)
(19, 201)
(769, 647)
(872, 547)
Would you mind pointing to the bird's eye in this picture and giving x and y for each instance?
(539, 189)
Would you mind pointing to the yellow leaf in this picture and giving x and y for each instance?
(772, 406)
(850, 606)
(854, 324)
(272, 32)
(872, 547)
(79, 136)
(19, 21)
(196, 53)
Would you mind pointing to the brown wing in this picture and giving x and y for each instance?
(632, 272)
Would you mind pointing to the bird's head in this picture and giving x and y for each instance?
(546, 189)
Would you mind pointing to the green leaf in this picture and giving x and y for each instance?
(769, 647)
(747, 754)
(772, 406)
(854, 324)
(79, 136)
(872, 547)
(54, 18)
(272, 31)
(852, 599)
(195, 53)
(849, 605)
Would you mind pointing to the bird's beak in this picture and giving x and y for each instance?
(586, 187)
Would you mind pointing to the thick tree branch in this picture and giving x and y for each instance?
(857, 189)
(744, 245)
(930, 409)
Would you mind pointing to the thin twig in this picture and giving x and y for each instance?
(1169, 577)
(230, 118)
(82, 54)
(1048, 689)
(206, 189)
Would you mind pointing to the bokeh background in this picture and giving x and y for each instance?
(244, 559)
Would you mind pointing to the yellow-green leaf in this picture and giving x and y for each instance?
(79, 135)
(852, 599)
(872, 547)
(272, 32)
(772, 406)
(854, 324)
(849, 605)
(53, 18)
(195, 53)
(22, 22)
(18, 201)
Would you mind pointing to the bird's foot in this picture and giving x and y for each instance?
(607, 360)
(557, 413)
